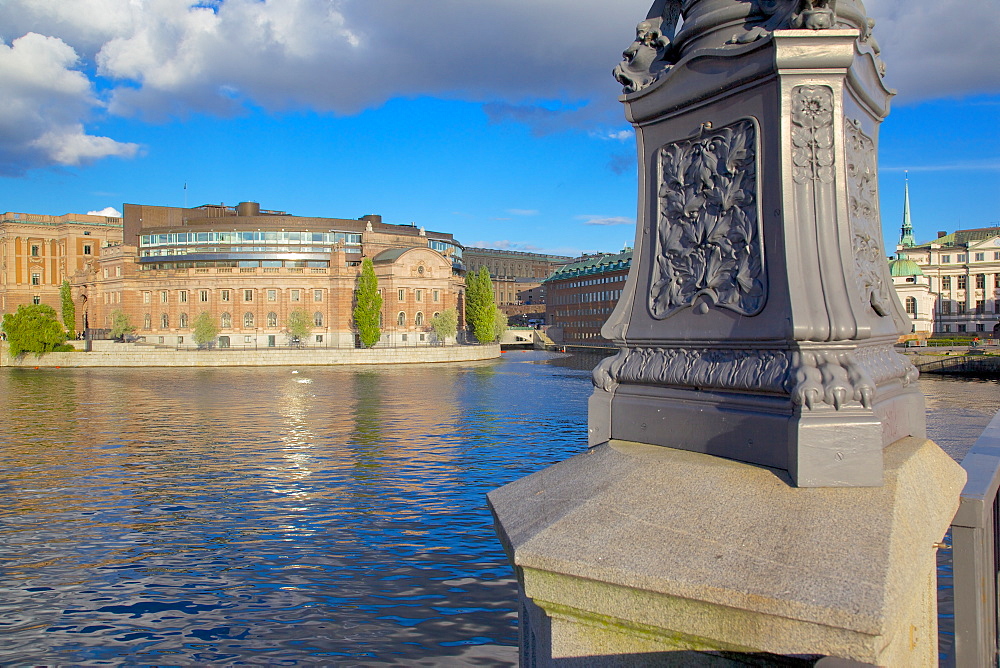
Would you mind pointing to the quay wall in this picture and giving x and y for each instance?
(131, 355)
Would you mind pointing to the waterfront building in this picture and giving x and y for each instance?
(950, 285)
(251, 268)
(38, 252)
(582, 294)
(518, 277)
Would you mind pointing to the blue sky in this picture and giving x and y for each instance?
(497, 122)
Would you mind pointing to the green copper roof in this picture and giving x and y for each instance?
(965, 237)
(904, 267)
(594, 264)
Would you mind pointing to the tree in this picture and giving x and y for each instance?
(367, 305)
(68, 309)
(299, 325)
(205, 328)
(480, 305)
(445, 324)
(120, 325)
(499, 323)
(34, 328)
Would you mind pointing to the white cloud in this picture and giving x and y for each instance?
(109, 211)
(523, 212)
(45, 98)
(505, 244)
(522, 60)
(606, 220)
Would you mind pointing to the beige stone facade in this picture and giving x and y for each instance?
(249, 269)
(517, 275)
(38, 252)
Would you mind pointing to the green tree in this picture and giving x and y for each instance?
(499, 323)
(299, 325)
(445, 324)
(205, 328)
(68, 309)
(34, 328)
(120, 325)
(480, 305)
(367, 305)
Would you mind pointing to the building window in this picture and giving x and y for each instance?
(164, 321)
(960, 310)
(247, 320)
(226, 320)
(962, 282)
(86, 249)
(946, 282)
(272, 295)
(945, 259)
(224, 295)
(180, 340)
(118, 272)
(402, 294)
(317, 295)
(911, 306)
(318, 319)
(248, 295)
(247, 339)
(295, 295)
(980, 281)
(980, 327)
(34, 251)
(203, 295)
(962, 328)
(319, 338)
(946, 307)
(980, 306)
(419, 319)
(182, 296)
(105, 272)
(272, 319)
(980, 257)
(36, 300)
(420, 295)
(163, 296)
(437, 295)
(147, 321)
(183, 321)
(401, 319)
(962, 257)
(947, 328)
(36, 279)
(146, 297)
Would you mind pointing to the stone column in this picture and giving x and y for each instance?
(755, 374)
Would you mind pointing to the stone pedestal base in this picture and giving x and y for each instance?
(634, 553)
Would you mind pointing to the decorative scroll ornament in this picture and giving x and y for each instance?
(770, 15)
(651, 54)
(810, 378)
(812, 134)
(862, 186)
(708, 246)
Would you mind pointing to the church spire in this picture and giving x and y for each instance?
(906, 233)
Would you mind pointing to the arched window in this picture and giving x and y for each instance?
(164, 321)
(911, 306)
(401, 319)
(227, 321)
(419, 319)
(247, 320)
(381, 320)
(183, 321)
(272, 319)
(318, 319)
(147, 321)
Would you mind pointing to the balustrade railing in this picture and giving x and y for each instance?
(975, 535)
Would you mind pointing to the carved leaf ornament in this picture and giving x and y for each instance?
(708, 248)
(862, 183)
(812, 134)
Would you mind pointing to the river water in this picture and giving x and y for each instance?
(280, 516)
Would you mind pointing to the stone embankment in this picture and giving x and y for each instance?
(111, 354)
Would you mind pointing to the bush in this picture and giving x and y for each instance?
(367, 305)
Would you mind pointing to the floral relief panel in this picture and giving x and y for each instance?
(708, 246)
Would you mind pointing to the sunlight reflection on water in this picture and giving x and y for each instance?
(255, 515)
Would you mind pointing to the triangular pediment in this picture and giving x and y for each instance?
(992, 243)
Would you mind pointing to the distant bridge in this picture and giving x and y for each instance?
(982, 366)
